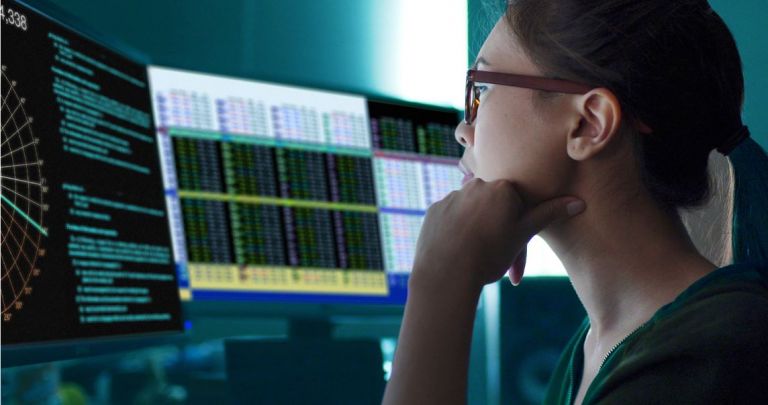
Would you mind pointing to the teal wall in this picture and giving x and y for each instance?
(323, 44)
(404, 49)
(746, 19)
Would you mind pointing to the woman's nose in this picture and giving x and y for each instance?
(465, 134)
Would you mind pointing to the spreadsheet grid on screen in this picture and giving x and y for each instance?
(283, 191)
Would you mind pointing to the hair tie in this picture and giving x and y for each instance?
(734, 140)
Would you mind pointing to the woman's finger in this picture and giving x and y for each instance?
(548, 212)
(518, 267)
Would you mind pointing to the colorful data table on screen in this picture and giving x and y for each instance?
(271, 188)
(296, 192)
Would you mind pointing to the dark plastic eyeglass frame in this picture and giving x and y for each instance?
(472, 100)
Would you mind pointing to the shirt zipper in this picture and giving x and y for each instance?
(569, 396)
(616, 346)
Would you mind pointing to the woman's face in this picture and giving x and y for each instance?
(512, 138)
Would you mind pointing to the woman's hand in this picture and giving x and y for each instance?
(468, 240)
(474, 235)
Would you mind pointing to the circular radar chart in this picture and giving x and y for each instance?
(23, 187)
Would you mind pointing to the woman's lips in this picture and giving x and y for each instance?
(468, 175)
(467, 178)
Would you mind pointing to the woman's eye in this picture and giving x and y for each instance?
(481, 89)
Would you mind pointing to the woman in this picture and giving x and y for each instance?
(599, 162)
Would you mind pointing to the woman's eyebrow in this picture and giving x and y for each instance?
(480, 60)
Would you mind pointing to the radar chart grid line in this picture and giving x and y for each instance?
(23, 214)
(19, 244)
(21, 199)
(21, 181)
(19, 195)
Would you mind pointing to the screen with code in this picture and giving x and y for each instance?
(284, 193)
(86, 247)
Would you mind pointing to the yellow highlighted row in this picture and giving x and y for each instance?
(229, 277)
(263, 140)
(250, 199)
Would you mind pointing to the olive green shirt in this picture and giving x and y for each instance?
(708, 346)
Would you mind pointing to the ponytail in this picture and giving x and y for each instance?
(750, 204)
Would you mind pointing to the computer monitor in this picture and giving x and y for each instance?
(86, 249)
(286, 194)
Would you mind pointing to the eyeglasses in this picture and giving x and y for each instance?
(472, 96)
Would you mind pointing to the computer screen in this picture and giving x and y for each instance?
(281, 193)
(86, 248)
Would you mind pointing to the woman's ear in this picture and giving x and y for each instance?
(596, 123)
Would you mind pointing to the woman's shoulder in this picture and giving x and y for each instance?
(727, 308)
(734, 287)
(708, 346)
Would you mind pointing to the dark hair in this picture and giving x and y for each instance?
(673, 64)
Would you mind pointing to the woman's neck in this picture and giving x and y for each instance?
(626, 258)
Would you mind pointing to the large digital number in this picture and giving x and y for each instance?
(13, 18)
